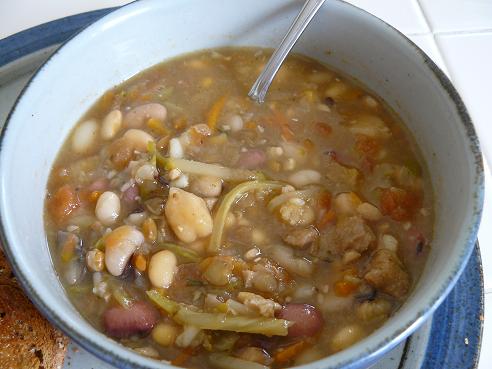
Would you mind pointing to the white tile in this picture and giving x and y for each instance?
(486, 353)
(467, 57)
(458, 15)
(428, 44)
(404, 15)
(24, 14)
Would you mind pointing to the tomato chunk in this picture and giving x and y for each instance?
(399, 204)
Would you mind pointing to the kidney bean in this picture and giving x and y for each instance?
(130, 194)
(101, 184)
(307, 319)
(139, 319)
(252, 159)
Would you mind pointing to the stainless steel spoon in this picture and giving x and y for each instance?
(260, 87)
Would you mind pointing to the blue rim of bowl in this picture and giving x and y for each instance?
(368, 355)
(47, 34)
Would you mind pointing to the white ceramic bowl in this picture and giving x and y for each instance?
(147, 32)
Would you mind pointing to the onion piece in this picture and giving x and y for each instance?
(206, 169)
(280, 199)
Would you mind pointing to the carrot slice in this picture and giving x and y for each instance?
(326, 219)
(286, 354)
(214, 112)
(183, 357)
(279, 119)
(344, 288)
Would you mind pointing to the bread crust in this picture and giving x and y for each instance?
(27, 340)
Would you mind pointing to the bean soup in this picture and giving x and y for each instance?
(199, 228)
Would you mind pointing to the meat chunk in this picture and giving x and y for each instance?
(296, 213)
(301, 237)
(350, 234)
(340, 178)
(387, 273)
(265, 307)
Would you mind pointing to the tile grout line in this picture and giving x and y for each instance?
(463, 32)
(427, 21)
(487, 291)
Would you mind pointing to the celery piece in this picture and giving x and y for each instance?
(100, 244)
(152, 150)
(184, 252)
(205, 169)
(224, 322)
(169, 306)
(123, 298)
(225, 206)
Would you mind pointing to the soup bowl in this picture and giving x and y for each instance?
(147, 32)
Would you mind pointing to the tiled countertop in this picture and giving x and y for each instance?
(457, 34)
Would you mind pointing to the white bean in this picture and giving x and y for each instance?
(108, 208)
(236, 123)
(369, 212)
(140, 114)
(370, 125)
(370, 101)
(346, 203)
(206, 186)
(181, 182)
(285, 257)
(162, 267)
(175, 148)
(120, 245)
(336, 89)
(111, 124)
(305, 177)
(346, 337)
(138, 139)
(136, 218)
(95, 260)
(145, 172)
(84, 136)
(164, 334)
(188, 215)
(388, 242)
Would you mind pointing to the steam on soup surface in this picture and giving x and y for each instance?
(197, 227)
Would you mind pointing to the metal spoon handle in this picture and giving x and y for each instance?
(260, 87)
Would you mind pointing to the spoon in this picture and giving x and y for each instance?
(261, 85)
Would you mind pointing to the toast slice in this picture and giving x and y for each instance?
(27, 340)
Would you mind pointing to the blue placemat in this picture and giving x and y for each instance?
(457, 324)
(45, 35)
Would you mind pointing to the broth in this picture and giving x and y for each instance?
(198, 227)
